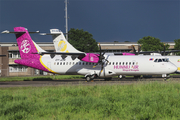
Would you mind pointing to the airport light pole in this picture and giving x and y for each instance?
(66, 19)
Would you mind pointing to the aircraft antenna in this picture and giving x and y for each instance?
(66, 19)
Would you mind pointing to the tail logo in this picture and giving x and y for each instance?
(62, 45)
(25, 46)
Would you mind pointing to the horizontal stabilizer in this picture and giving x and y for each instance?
(50, 33)
(6, 31)
(59, 53)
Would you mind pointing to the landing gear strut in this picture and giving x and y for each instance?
(90, 77)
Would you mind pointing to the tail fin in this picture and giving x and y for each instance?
(60, 42)
(27, 47)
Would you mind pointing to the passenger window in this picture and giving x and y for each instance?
(119, 63)
(133, 63)
(60, 63)
(54, 63)
(63, 63)
(57, 63)
(126, 63)
(160, 60)
(79, 63)
(109, 63)
(66, 63)
(87, 63)
(69, 63)
(123, 63)
(129, 63)
(116, 63)
(73, 63)
(113, 63)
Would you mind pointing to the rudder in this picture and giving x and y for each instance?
(27, 47)
(60, 42)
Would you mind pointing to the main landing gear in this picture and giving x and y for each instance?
(91, 77)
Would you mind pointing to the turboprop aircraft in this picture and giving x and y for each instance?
(60, 41)
(33, 56)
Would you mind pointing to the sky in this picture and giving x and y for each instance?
(106, 20)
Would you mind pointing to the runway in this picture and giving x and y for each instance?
(41, 83)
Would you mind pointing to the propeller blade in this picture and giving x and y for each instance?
(134, 50)
(100, 56)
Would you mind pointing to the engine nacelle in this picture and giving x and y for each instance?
(90, 57)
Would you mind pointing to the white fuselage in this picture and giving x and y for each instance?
(175, 60)
(116, 65)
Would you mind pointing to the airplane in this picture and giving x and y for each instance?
(108, 66)
(59, 40)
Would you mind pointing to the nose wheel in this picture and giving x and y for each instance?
(165, 76)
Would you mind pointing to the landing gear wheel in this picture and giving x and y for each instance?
(121, 76)
(88, 78)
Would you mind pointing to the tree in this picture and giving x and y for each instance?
(82, 40)
(177, 45)
(152, 44)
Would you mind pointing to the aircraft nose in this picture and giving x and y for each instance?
(172, 67)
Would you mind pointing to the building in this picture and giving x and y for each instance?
(11, 50)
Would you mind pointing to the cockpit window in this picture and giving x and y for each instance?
(156, 60)
(161, 60)
(165, 60)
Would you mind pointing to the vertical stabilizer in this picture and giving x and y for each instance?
(27, 47)
(60, 42)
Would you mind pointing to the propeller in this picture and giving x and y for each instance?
(102, 59)
(134, 50)
(101, 55)
(139, 49)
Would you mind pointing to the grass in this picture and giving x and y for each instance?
(148, 101)
(29, 78)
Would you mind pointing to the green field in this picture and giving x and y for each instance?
(142, 101)
(48, 77)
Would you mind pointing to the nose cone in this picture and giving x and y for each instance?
(172, 68)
